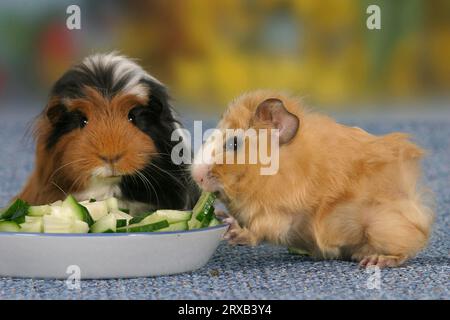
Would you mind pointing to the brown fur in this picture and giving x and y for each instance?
(67, 167)
(340, 192)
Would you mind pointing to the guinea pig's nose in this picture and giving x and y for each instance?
(111, 159)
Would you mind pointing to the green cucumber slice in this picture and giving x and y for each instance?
(179, 226)
(16, 211)
(35, 226)
(112, 203)
(78, 211)
(140, 217)
(54, 224)
(39, 211)
(106, 223)
(33, 219)
(80, 227)
(214, 222)
(202, 209)
(9, 226)
(297, 251)
(97, 209)
(174, 216)
(146, 227)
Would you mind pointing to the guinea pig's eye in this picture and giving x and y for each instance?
(83, 121)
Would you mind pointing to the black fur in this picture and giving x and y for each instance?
(168, 179)
(64, 123)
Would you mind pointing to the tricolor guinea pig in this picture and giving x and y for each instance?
(338, 192)
(106, 131)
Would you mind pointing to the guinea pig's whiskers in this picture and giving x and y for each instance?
(169, 174)
(62, 167)
(61, 189)
(147, 184)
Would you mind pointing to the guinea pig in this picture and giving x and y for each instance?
(339, 192)
(106, 131)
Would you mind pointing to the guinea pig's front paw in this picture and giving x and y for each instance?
(237, 235)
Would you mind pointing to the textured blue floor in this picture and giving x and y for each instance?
(264, 272)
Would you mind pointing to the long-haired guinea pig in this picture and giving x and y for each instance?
(106, 131)
(339, 192)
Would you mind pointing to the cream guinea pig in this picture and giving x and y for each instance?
(339, 193)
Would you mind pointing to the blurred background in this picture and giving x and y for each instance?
(208, 52)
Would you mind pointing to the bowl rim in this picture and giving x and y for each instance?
(118, 234)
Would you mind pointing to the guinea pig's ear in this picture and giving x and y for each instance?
(272, 110)
(54, 111)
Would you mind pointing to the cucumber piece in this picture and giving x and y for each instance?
(297, 251)
(122, 218)
(9, 226)
(151, 222)
(140, 217)
(174, 216)
(106, 223)
(78, 211)
(16, 211)
(33, 219)
(112, 203)
(179, 226)
(155, 226)
(57, 203)
(97, 209)
(208, 217)
(39, 211)
(80, 227)
(34, 226)
(122, 215)
(214, 222)
(54, 224)
(121, 223)
(202, 209)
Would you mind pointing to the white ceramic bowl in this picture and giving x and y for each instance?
(107, 255)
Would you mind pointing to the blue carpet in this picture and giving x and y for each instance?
(264, 272)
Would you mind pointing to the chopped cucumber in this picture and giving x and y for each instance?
(106, 223)
(9, 226)
(202, 209)
(174, 216)
(32, 226)
(122, 218)
(214, 222)
(71, 216)
(141, 217)
(155, 226)
(16, 211)
(179, 226)
(33, 219)
(80, 227)
(57, 203)
(39, 211)
(112, 203)
(297, 251)
(97, 209)
(52, 224)
(78, 211)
